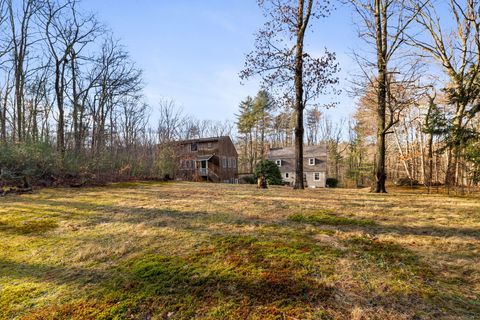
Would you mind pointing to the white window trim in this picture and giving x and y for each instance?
(278, 162)
(315, 176)
(311, 161)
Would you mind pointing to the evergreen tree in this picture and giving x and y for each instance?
(245, 126)
(262, 108)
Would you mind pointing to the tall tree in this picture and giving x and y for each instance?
(115, 78)
(20, 27)
(314, 115)
(434, 124)
(382, 25)
(284, 65)
(245, 126)
(455, 45)
(67, 32)
(263, 105)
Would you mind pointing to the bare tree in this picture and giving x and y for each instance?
(284, 65)
(20, 27)
(114, 77)
(5, 93)
(133, 121)
(67, 32)
(382, 25)
(331, 134)
(170, 121)
(455, 45)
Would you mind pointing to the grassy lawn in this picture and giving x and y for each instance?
(211, 251)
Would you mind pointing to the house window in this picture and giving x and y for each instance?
(278, 162)
(194, 147)
(209, 146)
(234, 163)
(317, 176)
(287, 175)
(311, 161)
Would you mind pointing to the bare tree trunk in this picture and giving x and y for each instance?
(422, 155)
(405, 165)
(59, 89)
(430, 161)
(76, 112)
(19, 46)
(3, 121)
(3, 113)
(381, 41)
(299, 105)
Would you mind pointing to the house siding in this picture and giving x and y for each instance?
(222, 159)
(318, 154)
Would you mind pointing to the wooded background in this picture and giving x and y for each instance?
(72, 109)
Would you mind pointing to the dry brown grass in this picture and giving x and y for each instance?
(212, 251)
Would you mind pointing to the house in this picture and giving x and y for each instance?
(207, 159)
(314, 164)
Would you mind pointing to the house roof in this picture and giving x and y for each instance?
(210, 139)
(205, 157)
(226, 139)
(308, 152)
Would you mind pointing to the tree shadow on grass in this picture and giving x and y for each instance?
(109, 213)
(370, 226)
(28, 226)
(408, 282)
(242, 270)
(91, 214)
(51, 273)
(249, 270)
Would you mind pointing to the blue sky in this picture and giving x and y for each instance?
(193, 50)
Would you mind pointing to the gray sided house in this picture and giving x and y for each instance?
(207, 159)
(314, 164)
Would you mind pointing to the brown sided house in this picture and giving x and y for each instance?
(207, 159)
(314, 164)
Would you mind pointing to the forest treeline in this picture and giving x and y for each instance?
(417, 148)
(71, 97)
(72, 108)
(417, 88)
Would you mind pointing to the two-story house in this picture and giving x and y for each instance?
(314, 164)
(207, 159)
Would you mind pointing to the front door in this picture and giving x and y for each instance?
(203, 170)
